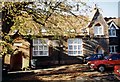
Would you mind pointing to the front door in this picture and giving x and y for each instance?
(16, 61)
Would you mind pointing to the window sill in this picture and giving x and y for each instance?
(113, 52)
(40, 55)
(99, 35)
(75, 55)
(112, 36)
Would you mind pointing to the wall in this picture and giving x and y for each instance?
(57, 56)
(103, 40)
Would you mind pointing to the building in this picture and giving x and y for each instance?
(70, 50)
(46, 51)
(114, 34)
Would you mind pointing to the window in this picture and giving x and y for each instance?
(43, 30)
(40, 47)
(17, 44)
(98, 30)
(112, 32)
(112, 48)
(74, 47)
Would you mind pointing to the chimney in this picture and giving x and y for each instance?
(77, 7)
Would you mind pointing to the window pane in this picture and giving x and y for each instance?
(70, 47)
(35, 48)
(40, 41)
(95, 30)
(75, 52)
(110, 32)
(75, 41)
(40, 52)
(35, 41)
(100, 30)
(45, 52)
(79, 52)
(43, 42)
(35, 52)
(112, 49)
(113, 32)
(45, 48)
(75, 47)
(70, 41)
(40, 47)
(79, 41)
(79, 47)
(70, 52)
(115, 47)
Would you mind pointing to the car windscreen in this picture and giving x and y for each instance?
(106, 57)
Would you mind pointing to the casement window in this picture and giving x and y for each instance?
(112, 32)
(112, 48)
(75, 47)
(98, 30)
(40, 47)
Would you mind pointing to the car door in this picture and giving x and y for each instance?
(118, 59)
(114, 59)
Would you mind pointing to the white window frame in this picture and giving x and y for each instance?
(111, 28)
(76, 47)
(112, 23)
(43, 30)
(111, 47)
(111, 32)
(44, 47)
(97, 30)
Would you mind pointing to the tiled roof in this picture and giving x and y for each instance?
(58, 23)
(67, 22)
(115, 20)
(32, 27)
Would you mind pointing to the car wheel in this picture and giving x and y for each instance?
(101, 68)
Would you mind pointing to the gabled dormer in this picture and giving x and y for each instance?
(98, 29)
(112, 29)
(98, 26)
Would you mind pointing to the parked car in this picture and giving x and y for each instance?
(117, 71)
(94, 57)
(108, 62)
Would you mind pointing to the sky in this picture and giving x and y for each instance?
(109, 8)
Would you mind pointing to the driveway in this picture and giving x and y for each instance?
(71, 73)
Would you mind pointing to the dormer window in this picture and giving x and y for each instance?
(15, 31)
(112, 32)
(98, 30)
(112, 29)
(43, 30)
